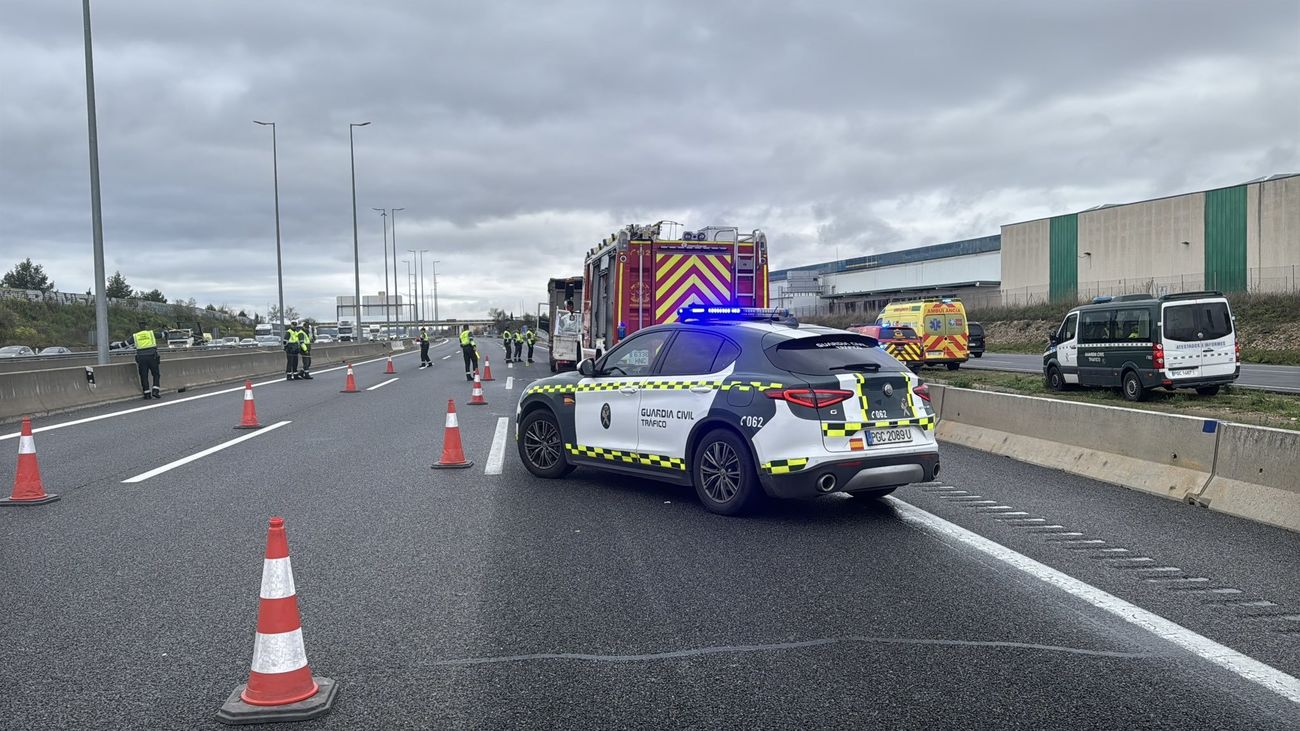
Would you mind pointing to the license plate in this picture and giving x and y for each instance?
(889, 436)
(934, 353)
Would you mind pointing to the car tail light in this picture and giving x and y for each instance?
(1237, 345)
(923, 391)
(811, 397)
(1158, 356)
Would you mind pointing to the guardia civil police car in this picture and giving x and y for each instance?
(737, 402)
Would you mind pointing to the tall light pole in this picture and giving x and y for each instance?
(394, 211)
(424, 311)
(435, 291)
(408, 282)
(388, 294)
(96, 220)
(356, 248)
(416, 293)
(275, 176)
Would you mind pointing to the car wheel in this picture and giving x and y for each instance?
(724, 474)
(874, 493)
(976, 355)
(953, 366)
(1208, 391)
(1055, 381)
(1132, 387)
(541, 445)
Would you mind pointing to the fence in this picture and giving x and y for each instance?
(177, 311)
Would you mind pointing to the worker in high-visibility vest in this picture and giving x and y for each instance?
(146, 360)
(469, 350)
(304, 342)
(530, 339)
(508, 342)
(424, 349)
(292, 347)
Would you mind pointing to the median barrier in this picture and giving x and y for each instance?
(53, 390)
(1163, 454)
(1256, 475)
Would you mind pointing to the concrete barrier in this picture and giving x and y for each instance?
(60, 389)
(1164, 454)
(1256, 475)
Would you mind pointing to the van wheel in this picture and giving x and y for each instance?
(1207, 391)
(976, 355)
(1133, 390)
(953, 366)
(724, 475)
(1055, 381)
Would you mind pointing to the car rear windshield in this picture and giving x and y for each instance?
(898, 332)
(975, 329)
(1197, 321)
(824, 355)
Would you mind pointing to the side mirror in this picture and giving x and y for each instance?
(587, 368)
(1051, 338)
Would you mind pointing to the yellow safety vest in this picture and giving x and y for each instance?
(294, 335)
(530, 337)
(466, 338)
(306, 339)
(144, 340)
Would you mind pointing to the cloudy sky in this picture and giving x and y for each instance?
(516, 134)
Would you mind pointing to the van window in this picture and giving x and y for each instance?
(1066, 333)
(1198, 321)
(1133, 324)
(1095, 326)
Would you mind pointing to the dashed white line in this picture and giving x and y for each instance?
(381, 384)
(1203, 647)
(510, 383)
(200, 455)
(497, 456)
(445, 357)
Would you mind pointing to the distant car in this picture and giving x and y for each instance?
(900, 341)
(121, 345)
(16, 351)
(56, 350)
(976, 340)
(230, 340)
(247, 343)
(324, 339)
(269, 341)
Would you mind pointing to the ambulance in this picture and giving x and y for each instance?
(941, 323)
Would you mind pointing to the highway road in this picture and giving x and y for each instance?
(1005, 596)
(1281, 378)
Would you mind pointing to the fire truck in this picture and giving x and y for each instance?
(635, 279)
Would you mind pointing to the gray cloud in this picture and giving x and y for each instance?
(517, 134)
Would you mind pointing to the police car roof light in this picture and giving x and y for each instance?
(730, 313)
(1102, 298)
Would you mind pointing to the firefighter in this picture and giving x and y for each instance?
(292, 346)
(424, 349)
(304, 341)
(507, 342)
(147, 360)
(530, 339)
(468, 349)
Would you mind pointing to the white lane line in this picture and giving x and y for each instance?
(381, 385)
(497, 456)
(445, 357)
(173, 402)
(200, 455)
(510, 383)
(1239, 664)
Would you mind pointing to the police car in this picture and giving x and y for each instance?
(738, 402)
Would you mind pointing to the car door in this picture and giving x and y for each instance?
(1182, 337)
(686, 381)
(606, 406)
(1067, 348)
(1094, 338)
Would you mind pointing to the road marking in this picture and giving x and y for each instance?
(173, 402)
(445, 357)
(1225, 657)
(200, 455)
(497, 456)
(381, 385)
(510, 382)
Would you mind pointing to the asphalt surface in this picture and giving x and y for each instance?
(459, 599)
(1284, 379)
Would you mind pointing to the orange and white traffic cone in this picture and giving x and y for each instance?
(487, 370)
(280, 685)
(250, 410)
(28, 489)
(453, 455)
(351, 386)
(476, 394)
(389, 368)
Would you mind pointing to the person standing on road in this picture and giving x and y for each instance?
(507, 342)
(519, 344)
(304, 341)
(424, 349)
(530, 338)
(468, 349)
(291, 349)
(147, 361)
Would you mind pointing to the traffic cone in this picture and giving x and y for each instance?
(280, 685)
(28, 489)
(453, 455)
(351, 386)
(476, 394)
(487, 370)
(389, 368)
(250, 410)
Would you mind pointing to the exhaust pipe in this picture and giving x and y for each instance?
(826, 483)
(935, 476)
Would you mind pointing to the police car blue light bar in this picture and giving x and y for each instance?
(729, 312)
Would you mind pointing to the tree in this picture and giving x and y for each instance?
(118, 288)
(26, 275)
(211, 307)
(289, 314)
(152, 295)
(243, 314)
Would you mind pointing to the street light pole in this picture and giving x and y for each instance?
(388, 294)
(435, 292)
(424, 312)
(96, 220)
(279, 263)
(408, 282)
(415, 312)
(356, 247)
(394, 212)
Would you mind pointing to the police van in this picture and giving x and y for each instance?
(1137, 342)
(738, 402)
